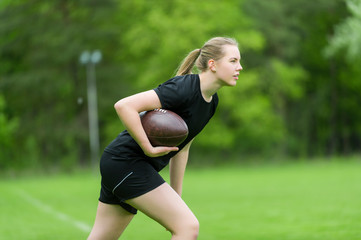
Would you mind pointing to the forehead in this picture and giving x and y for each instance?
(231, 51)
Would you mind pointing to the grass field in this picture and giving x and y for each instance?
(294, 201)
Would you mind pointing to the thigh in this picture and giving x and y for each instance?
(165, 206)
(110, 221)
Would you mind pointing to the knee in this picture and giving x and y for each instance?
(194, 228)
(189, 228)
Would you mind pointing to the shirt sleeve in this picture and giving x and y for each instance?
(172, 93)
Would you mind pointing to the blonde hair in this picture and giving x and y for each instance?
(212, 49)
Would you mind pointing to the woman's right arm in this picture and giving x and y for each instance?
(128, 110)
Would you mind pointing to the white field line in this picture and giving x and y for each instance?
(59, 215)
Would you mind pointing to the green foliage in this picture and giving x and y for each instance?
(8, 127)
(155, 34)
(289, 99)
(41, 77)
(160, 46)
(347, 35)
(343, 51)
(244, 120)
(308, 93)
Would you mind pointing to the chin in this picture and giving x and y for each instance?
(229, 83)
(233, 83)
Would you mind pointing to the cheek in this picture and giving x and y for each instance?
(227, 70)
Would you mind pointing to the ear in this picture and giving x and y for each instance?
(212, 65)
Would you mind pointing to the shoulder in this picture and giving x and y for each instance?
(180, 80)
(179, 84)
(177, 90)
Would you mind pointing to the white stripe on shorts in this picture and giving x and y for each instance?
(121, 182)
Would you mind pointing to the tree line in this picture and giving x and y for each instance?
(297, 96)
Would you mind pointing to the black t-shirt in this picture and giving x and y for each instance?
(182, 95)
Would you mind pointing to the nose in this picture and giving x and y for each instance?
(239, 68)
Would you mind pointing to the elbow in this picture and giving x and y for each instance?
(123, 107)
(122, 103)
(120, 106)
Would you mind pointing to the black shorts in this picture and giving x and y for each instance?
(123, 179)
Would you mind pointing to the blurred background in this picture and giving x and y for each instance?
(298, 96)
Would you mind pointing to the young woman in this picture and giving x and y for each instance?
(130, 164)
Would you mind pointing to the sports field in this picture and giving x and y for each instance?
(294, 201)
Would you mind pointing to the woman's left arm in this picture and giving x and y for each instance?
(177, 167)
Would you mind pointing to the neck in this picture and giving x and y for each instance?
(209, 85)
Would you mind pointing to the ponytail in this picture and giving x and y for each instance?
(212, 49)
(188, 63)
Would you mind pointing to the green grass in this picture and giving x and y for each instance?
(298, 201)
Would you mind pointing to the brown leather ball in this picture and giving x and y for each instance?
(164, 127)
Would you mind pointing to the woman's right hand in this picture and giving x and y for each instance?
(159, 151)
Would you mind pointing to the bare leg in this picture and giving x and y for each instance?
(165, 206)
(110, 222)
